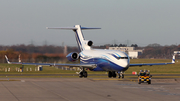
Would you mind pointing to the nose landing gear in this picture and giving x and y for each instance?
(120, 74)
(113, 74)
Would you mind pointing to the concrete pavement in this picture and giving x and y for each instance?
(87, 89)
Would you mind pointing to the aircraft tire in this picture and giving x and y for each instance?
(85, 74)
(114, 74)
(81, 74)
(122, 75)
(109, 74)
(119, 76)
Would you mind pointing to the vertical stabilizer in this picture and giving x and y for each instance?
(79, 37)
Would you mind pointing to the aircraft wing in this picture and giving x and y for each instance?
(149, 64)
(90, 66)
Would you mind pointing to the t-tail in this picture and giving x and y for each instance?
(82, 43)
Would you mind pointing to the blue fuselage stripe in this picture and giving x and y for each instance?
(102, 64)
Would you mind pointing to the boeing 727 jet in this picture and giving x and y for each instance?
(112, 61)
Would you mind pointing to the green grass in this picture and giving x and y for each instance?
(173, 68)
(46, 69)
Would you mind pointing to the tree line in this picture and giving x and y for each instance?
(158, 51)
(32, 53)
(37, 49)
(51, 53)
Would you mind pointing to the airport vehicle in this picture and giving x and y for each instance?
(112, 61)
(144, 76)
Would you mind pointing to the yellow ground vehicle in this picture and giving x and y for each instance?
(144, 77)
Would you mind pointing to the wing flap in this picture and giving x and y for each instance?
(90, 66)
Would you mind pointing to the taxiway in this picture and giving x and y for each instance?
(87, 89)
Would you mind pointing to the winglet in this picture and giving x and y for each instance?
(173, 59)
(7, 60)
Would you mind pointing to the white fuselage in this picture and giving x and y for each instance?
(106, 60)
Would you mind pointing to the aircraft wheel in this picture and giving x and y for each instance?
(85, 74)
(114, 74)
(110, 74)
(81, 74)
(119, 76)
(122, 75)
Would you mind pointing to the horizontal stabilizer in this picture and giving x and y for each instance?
(84, 28)
(67, 28)
(72, 28)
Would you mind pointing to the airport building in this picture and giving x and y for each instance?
(177, 52)
(129, 50)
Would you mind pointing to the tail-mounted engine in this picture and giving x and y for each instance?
(88, 42)
(72, 56)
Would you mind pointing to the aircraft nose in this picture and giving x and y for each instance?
(125, 64)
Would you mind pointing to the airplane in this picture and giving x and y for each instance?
(112, 61)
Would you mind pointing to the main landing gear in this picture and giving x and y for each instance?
(121, 74)
(83, 73)
(113, 74)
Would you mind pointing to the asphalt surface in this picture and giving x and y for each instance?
(26, 74)
(87, 89)
(155, 76)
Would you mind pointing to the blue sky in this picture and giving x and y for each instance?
(140, 22)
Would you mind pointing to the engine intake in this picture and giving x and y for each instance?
(72, 56)
(90, 43)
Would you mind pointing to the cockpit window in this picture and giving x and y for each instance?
(117, 56)
(122, 58)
